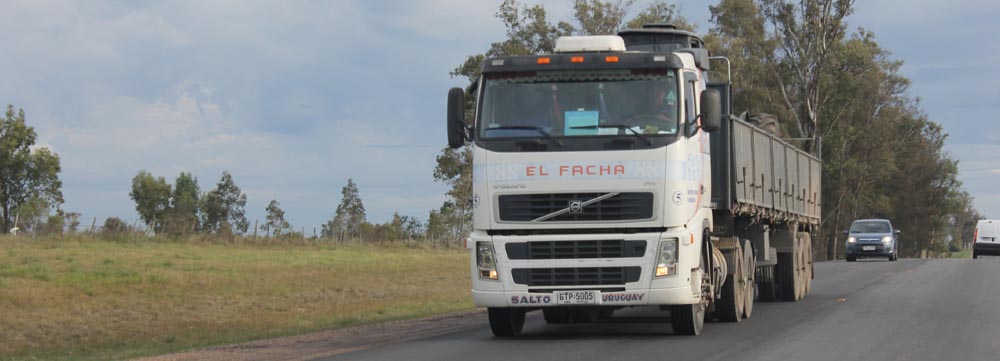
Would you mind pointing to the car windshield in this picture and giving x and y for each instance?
(573, 104)
(870, 227)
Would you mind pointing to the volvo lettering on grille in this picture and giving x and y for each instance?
(570, 209)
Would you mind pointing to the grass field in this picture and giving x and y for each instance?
(91, 299)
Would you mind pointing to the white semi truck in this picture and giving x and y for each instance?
(610, 174)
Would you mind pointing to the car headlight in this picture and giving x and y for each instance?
(486, 260)
(851, 239)
(886, 239)
(666, 259)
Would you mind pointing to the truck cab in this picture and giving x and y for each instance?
(590, 179)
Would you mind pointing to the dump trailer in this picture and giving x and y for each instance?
(611, 174)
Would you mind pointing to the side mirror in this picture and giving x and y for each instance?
(711, 110)
(897, 231)
(847, 232)
(456, 118)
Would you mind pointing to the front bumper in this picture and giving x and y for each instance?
(635, 297)
(643, 290)
(877, 250)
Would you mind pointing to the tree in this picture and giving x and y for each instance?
(350, 215)
(660, 12)
(114, 226)
(183, 214)
(25, 174)
(276, 222)
(72, 222)
(152, 199)
(807, 33)
(598, 17)
(224, 208)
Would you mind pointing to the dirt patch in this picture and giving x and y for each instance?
(334, 342)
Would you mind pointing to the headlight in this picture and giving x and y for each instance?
(887, 239)
(851, 239)
(666, 259)
(486, 261)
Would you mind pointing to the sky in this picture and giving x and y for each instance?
(294, 98)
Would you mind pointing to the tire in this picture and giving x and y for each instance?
(506, 322)
(688, 320)
(750, 271)
(851, 258)
(555, 315)
(786, 277)
(807, 267)
(765, 285)
(605, 314)
(730, 307)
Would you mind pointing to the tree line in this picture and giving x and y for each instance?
(31, 202)
(830, 89)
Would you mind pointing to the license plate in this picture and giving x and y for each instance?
(868, 248)
(576, 297)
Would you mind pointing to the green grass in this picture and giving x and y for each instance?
(965, 253)
(92, 299)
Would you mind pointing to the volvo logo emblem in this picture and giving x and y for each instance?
(575, 206)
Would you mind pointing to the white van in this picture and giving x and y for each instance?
(985, 241)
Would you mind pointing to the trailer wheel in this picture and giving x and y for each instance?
(506, 322)
(555, 315)
(807, 266)
(765, 284)
(786, 276)
(975, 255)
(730, 307)
(851, 258)
(750, 282)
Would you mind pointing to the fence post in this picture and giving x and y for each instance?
(255, 230)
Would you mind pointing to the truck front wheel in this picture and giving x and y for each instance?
(506, 322)
(687, 320)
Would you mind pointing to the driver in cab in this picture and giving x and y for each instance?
(659, 113)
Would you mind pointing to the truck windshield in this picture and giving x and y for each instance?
(870, 227)
(579, 104)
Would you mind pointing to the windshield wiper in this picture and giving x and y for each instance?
(619, 127)
(529, 127)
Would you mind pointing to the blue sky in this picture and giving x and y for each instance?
(294, 98)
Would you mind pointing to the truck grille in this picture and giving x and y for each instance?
(616, 248)
(621, 207)
(592, 276)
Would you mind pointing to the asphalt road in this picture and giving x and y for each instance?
(868, 310)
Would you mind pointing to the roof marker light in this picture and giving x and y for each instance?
(576, 59)
(659, 58)
(544, 60)
(497, 62)
(611, 59)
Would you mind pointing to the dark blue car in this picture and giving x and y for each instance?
(871, 238)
